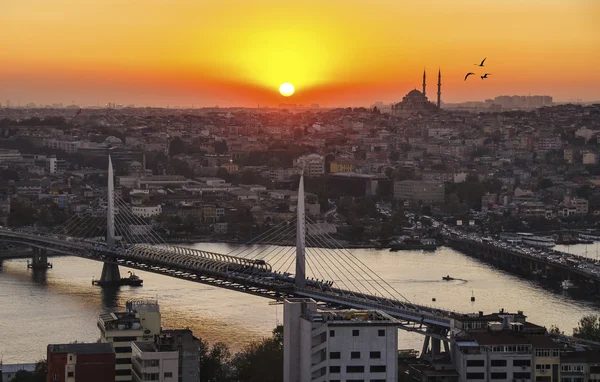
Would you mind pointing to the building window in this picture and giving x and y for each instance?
(125, 339)
(334, 355)
(377, 369)
(355, 369)
(475, 363)
(522, 362)
(123, 372)
(70, 358)
(123, 361)
(375, 355)
(355, 355)
(498, 362)
(332, 333)
(69, 374)
(381, 332)
(543, 366)
(55, 377)
(334, 369)
(475, 376)
(522, 375)
(123, 349)
(377, 380)
(543, 379)
(151, 363)
(498, 375)
(168, 375)
(355, 333)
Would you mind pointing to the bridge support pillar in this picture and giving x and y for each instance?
(39, 259)
(110, 274)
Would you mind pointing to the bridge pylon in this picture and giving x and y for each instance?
(39, 259)
(300, 276)
(110, 271)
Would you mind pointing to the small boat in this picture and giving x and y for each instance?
(447, 278)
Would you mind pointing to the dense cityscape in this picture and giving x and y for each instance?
(299, 191)
(411, 177)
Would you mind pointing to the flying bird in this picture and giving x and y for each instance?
(468, 74)
(486, 75)
(481, 62)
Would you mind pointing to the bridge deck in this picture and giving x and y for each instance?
(235, 273)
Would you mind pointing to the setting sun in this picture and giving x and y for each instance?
(286, 89)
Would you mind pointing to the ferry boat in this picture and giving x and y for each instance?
(510, 238)
(589, 236)
(406, 243)
(132, 280)
(537, 241)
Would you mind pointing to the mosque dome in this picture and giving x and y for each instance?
(414, 93)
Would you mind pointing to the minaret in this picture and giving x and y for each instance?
(424, 83)
(439, 103)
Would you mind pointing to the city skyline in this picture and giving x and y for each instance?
(335, 53)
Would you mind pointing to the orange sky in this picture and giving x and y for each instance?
(335, 52)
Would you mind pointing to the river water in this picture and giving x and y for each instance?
(63, 306)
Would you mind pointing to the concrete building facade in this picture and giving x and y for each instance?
(338, 345)
(93, 362)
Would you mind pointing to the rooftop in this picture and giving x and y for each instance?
(349, 316)
(94, 348)
(507, 337)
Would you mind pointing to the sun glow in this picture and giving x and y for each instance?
(286, 89)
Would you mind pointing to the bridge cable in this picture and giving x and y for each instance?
(351, 270)
(338, 276)
(369, 281)
(275, 230)
(276, 248)
(352, 257)
(74, 220)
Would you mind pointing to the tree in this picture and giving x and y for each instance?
(176, 146)
(39, 375)
(544, 183)
(261, 361)
(554, 330)
(588, 328)
(214, 362)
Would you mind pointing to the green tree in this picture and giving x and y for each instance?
(261, 361)
(214, 362)
(554, 330)
(39, 375)
(544, 183)
(176, 146)
(588, 328)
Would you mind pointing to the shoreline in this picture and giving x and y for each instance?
(280, 243)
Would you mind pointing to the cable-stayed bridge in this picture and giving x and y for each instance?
(317, 267)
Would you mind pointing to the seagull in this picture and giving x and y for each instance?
(468, 74)
(481, 62)
(486, 75)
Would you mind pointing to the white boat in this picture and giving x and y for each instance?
(589, 236)
(510, 238)
(568, 284)
(537, 241)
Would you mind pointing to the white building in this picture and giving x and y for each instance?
(51, 165)
(69, 146)
(312, 164)
(147, 211)
(7, 155)
(155, 361)
(338, 345)
(140, 322)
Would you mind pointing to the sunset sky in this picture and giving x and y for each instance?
(335, 52)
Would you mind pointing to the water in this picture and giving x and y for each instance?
(64, 306)
(591, 251)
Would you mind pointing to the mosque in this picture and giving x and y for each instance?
(416, 102)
